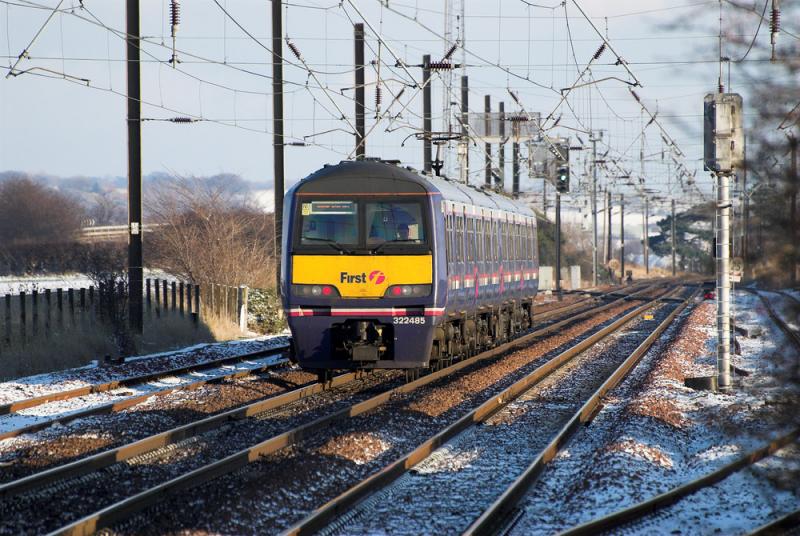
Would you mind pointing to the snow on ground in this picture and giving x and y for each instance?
(42, 384)
(13, 284)
(63, 408)
(785, 307)
(654, 434)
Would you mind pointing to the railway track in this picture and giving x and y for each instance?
(275, 377)
(639, 512)
(235, 460)
(791, 334)
(19, 405)
(118, 405)
(391, 494)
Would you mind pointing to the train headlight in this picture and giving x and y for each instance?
(408, 291)
(315, 291)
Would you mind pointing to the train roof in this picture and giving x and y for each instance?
(451, 190)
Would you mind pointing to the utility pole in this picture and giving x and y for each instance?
(544, 198)
(622, 237)
(277, 128)
(793, 142)
(558, 244)
(501, 151)
(426, 113)
(515, 170)
(645, 237)
(672, 234)
(361, 149)
(487, 148)
(463, 146)
(609, 251)
(723, 279)
(594, 209)
(135, 228)
(605, 227)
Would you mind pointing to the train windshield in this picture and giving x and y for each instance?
(362, 225)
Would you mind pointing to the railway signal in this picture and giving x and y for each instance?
(724, 154)
(562, 178)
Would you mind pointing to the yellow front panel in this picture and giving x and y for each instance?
(365, 276)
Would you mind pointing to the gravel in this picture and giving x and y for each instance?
(493, 453)
(269, 495)
(43, 384)
(654, 434)
(60, 444)
(46, 509)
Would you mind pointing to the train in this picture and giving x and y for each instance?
(384, 267)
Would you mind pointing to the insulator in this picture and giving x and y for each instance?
(599, 52)
(294, 49)
(775, 21)
(635, 96)
(517, 117)
(441, 66)
(378, 97)
(450, 52)
(174, 16)
(182, 120)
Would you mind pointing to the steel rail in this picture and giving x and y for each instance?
(126, 403)
(793, 335)
(506, 502)
(162, 439)
(780, 526)
(320, 517)
(674, 495)
(124, 452)
(13, 407)
(132, 401)
(135, 503)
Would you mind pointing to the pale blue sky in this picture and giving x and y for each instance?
(57, 127)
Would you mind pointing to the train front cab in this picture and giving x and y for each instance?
(359, 281)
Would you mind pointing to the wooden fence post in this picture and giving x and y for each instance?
(48, 303)
(71, 299)
(82, 303)
(241, 306)
(92, 307)
(225, 303)
(8, 318)
(174, 295)
(148, 299)
(189, 297)
(35, 311)
(196, 314)
(181, 299)
(212, 302)
(22, 317)
(60, 305)
(164, 289)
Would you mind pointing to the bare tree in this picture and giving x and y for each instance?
(31, 213)
(105, 209)
(210, 232)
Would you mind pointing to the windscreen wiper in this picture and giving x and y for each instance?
(380, 246)
(332, 243)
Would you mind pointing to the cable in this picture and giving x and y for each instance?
(760, 20)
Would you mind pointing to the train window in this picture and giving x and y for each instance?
(472, 247)
(487, 239)
(460, 238)
(390, 221)
(448, 247)
(334, 221)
